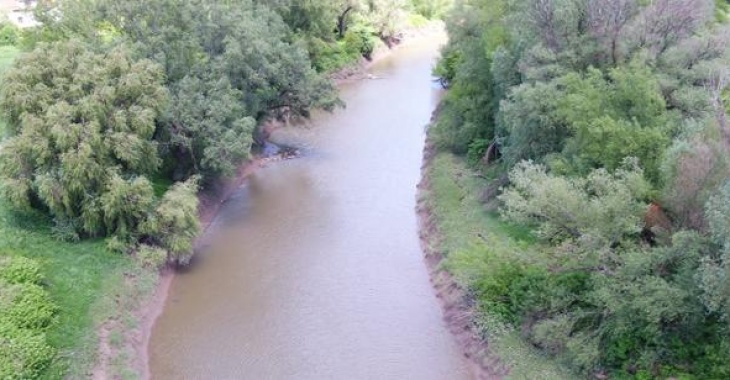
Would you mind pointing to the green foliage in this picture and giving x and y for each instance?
(431, 9)
(239, 65)
(83, 279)
(360, 41)
(27, 306)
(529, 118)
(476, 150)
(152, 257)
(595, 299)
(79, 123)
(9, 34)
(211, 126)
(472, 239)
(447, 66)
(614, 118)
(469, 108)
(612, 103)
(601, 209)
(26, 312)
(715, 273)
(330, 57)
(20, 270)
(174, 224)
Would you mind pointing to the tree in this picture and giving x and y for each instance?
(81, 128)
(715, 272)
(663, 23)
(209, 125)
(531, 124)
(601, 209)
(235, 67)
(174, 224)
(612, 118)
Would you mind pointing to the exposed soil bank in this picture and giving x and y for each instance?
(134, 347)
(459, 309)
(136, 339)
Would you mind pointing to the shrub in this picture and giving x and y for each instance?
(328, 57)
(477, 149)
(152, 257)
(26, 310)
(174, 224)
(9, 34)
(502, 285)
(24, 353)
(26, 306)
(17, 270)
(359, 42)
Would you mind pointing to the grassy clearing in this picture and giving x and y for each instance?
(463, 222)
(86, 281)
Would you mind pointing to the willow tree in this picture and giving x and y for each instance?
(81, 128)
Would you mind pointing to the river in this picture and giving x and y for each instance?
(315, 269)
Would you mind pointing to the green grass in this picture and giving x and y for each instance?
(84, 279)
(461, 217)
(464, 221)
(161, 184)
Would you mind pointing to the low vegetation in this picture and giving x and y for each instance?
(26, 312)
(603, 125)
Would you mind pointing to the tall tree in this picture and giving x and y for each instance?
(81, 126)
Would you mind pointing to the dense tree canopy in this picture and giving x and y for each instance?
(122, 108)
(631, 275)
(81, 124)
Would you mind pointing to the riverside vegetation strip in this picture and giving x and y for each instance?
(604, 124)
(460, 222)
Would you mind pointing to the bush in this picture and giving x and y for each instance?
(17, 270)
(26, 306)
(24, 353)
(359, 42)
(26, 310)
(477, 149)
(151, 257)
(174, 224)
(502, 285)
(329, 57)
(9, 34)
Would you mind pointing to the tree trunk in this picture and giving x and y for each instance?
(342, 22)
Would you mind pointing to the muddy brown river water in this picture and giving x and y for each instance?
(314, 270)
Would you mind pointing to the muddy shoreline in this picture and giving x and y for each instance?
(458, 307)
(137, 340)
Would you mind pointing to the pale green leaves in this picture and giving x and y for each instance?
(601, 209)
(81, 134)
